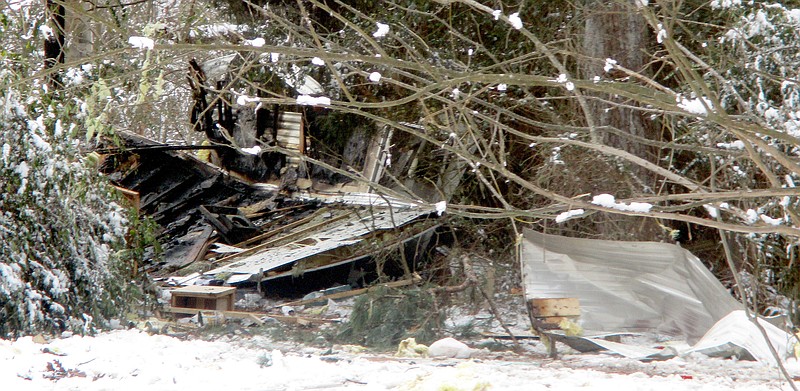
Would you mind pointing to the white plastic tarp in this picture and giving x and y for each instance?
(626, 286)
(733, 335)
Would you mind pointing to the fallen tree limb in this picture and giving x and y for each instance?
(472, 280)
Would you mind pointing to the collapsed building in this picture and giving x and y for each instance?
(251, 210)
(246, 208)
(221, 229)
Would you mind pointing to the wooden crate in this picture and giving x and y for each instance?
(567, 306)
(547, 313)
(203, 297)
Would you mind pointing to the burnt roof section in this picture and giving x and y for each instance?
(266, 233)
(172, 184)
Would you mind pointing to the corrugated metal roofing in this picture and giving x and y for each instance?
(626, 286)
(290, 133)
(363, 199)
(345, 231)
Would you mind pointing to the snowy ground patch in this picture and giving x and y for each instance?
(134, 360)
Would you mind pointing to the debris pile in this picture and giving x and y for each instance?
(255, 253)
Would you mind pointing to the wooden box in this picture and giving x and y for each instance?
(203, 297)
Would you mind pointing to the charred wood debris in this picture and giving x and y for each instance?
(232, 219)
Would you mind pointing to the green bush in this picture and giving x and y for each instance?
(65, 263)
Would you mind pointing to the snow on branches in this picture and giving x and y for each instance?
(59, 226)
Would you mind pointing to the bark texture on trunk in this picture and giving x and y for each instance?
(614, 30)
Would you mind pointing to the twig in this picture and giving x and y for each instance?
(472, 280)
(750, 316)
(496, 314)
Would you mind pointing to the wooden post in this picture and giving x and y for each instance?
(54, 42)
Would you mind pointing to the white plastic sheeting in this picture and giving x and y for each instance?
(626, 286)
(737, 331)
(733, 336)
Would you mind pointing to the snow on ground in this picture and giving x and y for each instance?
(134, 360)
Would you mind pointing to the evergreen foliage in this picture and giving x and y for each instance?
(62, 231)
(384, 317)
(59, 225)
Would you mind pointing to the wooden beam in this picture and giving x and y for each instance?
(557, 307)
(131, 195)
(302, 320)
(355, 292)
(276, 231)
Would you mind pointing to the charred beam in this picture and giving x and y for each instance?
(54, 41)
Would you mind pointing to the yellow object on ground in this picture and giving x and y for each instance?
(570, 328)
(410, 348)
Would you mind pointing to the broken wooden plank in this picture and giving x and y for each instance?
(278, 230)
(131, 195)
(256, 319)
(188, 198)
(302, 320)
(256, 210)
(153, 197)
(188, 249)
(229, 222)
(487, 334)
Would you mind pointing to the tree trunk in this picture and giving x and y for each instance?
(615, 30)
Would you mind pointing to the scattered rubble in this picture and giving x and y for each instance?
(260, 255)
